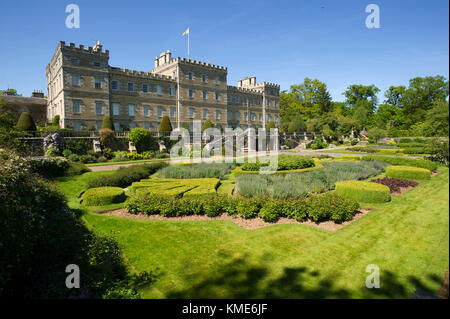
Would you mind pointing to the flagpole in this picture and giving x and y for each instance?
(189, 33)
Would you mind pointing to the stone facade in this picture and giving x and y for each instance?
(36, 105)
(83, 88)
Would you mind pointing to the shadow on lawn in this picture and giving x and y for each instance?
(240, 278)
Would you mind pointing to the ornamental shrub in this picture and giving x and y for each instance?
(165, 125)
(107, 137)
(142, 140)
(107, 123)
(270, 212)
(248, 208)
(432, 166)
(25, 122)
(49, 167)
(407, 172)
(206, 125)
(103, 196)
(363, 191)
(55, 121)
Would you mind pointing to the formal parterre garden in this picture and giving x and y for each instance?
(179, 219)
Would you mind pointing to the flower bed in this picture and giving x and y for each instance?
(395, 184)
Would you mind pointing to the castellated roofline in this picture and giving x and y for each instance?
(243, 90)
(96, 49)
(165, 59)
(143, 74)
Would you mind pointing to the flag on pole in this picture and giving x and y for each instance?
(185, 32)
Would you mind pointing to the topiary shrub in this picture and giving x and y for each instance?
(407, 172)
(363, 191)
(350, 157)
(107, 123)
(25, 122)
(330, 205)
(165, 125)
(103, 196)
(55, 121)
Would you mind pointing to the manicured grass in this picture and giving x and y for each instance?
(407, 238)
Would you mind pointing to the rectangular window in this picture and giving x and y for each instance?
(260, 117)
(132, 125)
(229, 98)
(259, 102)
(253, 117)
(203, 78)
(253, 101)
(97, 64)
(245, 100)
(268, 117)
(245, 116)
(191, 93)
(114, 85)
(275, 103)
(190, 75)
(99, 125)
(205, 94)
(217, 96)
(116, 108)
(171, 91)
(75, 61)
(267, 102)
(159, 90)
(229, 114)
(237, 116)
(216, 79)
(160, 111)
(237, 100)
(146, 111)
(75, 80)
(76, 126)
(131, 109)
(147, 125)
(99, 108)
(145, 88)
(172, 112)
(217, 115)
(116, 126)
(76, 106)
(205, 114)
(98, 83)
(276, 118)
(191, 113)
(130, 87)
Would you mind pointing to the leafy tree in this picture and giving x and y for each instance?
(375, 134)
(345, 126)
(341, 110)
(207, 124)
(142, 140)
(357, 92)
(107, 123)
(55, 121)
(9, 92)
(165, 125)
(313, 125)
(437, 120)
(395, 95)
(310, 99)
(26, 122)
(388, 116)
(363, 113)
(270, 125)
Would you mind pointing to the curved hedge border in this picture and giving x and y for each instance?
(421, 163)
(321, 207)
(103, 196)
(317, 164)
(408, 172)
(364, 191)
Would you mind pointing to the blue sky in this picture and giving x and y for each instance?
(276, 41)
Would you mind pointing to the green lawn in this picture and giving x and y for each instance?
(407, 238)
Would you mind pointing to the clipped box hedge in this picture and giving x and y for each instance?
(350, 157)
(364, 191)
(422, 163)
(408, 172)
(103, 196)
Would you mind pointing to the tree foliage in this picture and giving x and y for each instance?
(26, 123)
(107, 123)
(165, 125)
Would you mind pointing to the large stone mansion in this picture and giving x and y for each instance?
(83, 88)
